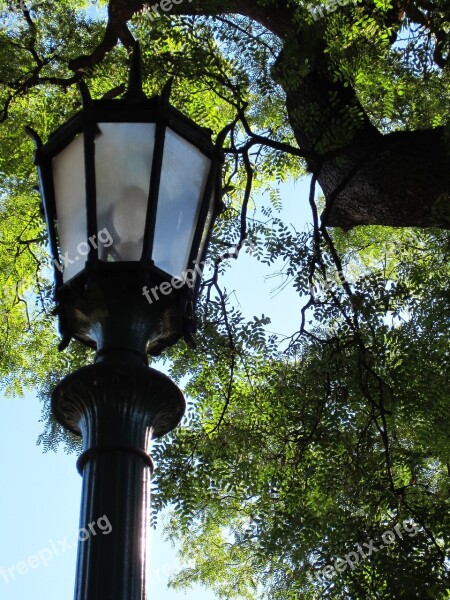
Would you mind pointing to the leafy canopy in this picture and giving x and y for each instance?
(292, 451)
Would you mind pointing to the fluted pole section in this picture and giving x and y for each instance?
(117, 409)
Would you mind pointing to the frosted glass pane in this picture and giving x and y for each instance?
(70, 197)
(123, 161)
(183, 178)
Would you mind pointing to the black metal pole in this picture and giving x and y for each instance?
(117, 408)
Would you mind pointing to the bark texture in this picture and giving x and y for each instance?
(401, 179)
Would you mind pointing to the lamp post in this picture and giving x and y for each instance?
(130, 190)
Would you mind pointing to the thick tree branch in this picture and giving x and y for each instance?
(400, 179)
(110, 39)
(279, 19)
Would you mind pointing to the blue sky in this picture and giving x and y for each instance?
(40, 496)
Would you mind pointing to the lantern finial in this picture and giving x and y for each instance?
(84, 93)
(167, 90)
(34, 136)
(135, 77)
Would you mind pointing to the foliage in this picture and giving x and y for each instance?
(292, 451)
(328, 445)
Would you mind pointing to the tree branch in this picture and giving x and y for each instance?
(279, 19)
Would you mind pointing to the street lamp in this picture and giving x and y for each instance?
(130, 190)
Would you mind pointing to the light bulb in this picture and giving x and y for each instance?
(129, 214)
(128, 217)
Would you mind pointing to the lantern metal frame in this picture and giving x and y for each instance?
(126, 278)
(118, 404)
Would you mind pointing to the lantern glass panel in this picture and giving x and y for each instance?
(183, 178)
(70, 199)
(123, 162)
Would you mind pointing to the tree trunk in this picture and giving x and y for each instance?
(401, 179)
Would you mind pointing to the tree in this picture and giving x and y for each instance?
(288, 459)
